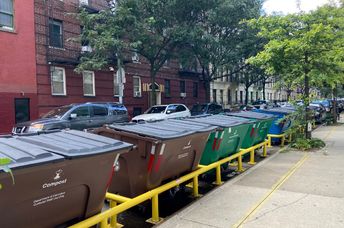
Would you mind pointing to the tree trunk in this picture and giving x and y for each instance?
(207, 90)
(288, 94)
(264, 82)
(308, 134)
(246, 95)
(335, 104)
(153, 95)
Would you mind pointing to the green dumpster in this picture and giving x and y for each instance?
(248, 140)
(260, 128)
(227, 140)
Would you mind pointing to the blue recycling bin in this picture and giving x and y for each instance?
(277, 127)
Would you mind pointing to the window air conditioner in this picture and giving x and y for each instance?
(182, 94)
(135, 58)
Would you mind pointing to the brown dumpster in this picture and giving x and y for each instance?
(60, 178)
(163, 150)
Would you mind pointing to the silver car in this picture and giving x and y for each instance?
(76, 116)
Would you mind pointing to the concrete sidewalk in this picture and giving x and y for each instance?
(290, 189)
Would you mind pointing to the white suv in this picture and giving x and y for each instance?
(160, 112)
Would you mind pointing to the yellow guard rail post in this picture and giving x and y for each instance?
(125, 203)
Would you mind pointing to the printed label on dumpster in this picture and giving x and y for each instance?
(56, 180)
(229, 130)
(48, 199)
(183, 155)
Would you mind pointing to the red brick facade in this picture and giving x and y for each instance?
(17, 65)
(67, 57)
(25, 72)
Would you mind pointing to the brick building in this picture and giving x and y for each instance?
(18, 87)
(40, 52)
(58, 54)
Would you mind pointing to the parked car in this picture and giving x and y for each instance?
(247, 107)
(319, 112)
(160, 112)
(262, 104)
(207, 108)
(76, 116)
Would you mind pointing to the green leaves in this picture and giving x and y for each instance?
(4, 162)
(303, 43)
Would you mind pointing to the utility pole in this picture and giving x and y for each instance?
(120, 74)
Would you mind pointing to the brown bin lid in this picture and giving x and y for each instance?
(159, 130)
(72, 143)
(23, 154)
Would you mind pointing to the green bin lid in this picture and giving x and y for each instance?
(221, 120)
(249, 114)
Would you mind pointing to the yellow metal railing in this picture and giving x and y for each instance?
(119, 204)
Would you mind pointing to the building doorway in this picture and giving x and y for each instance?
(21, 109)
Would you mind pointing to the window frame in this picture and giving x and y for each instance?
(4, 27)
(53, 21)
(182, 86)
(167, 88)
(64, 82)
(93, 83)
(139, 86)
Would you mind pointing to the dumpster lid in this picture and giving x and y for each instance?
(249, 114)
(221, 120)
(185, 124)
(155, 129)
(23, 154)
(72, 143)
(280, 110)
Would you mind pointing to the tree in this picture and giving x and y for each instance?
(148, 27)
(306, 48)
(217, 39)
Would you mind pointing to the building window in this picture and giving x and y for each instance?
(221, 96)
(251, 96)
(182, 86)
(55, 33)
(214, 95)
(229, 97)
(58, 81)
(137, 86)
(167, 88)
(195, 90)
(6, 14)
(88, 83)
(236, 96)
(257, 98)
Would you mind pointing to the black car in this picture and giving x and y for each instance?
(76, 116)
(207, 108)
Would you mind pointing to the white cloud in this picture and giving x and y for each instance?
(290, 6)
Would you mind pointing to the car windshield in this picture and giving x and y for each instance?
(156, 109)
(57, 112)
(198, 108)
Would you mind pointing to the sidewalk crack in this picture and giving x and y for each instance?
(277, 208)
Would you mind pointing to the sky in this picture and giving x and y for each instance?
(290, 6)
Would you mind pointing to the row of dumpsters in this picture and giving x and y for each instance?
(62, 178)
